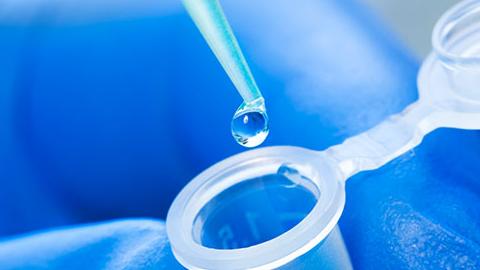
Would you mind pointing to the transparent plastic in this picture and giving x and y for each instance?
(212, 23)
(319, 187)
(250, 122)
(449, 96)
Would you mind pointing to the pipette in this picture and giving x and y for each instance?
(448, 97)
(250, 122)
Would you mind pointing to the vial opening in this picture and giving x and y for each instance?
(456, 37)
(261, 185)
(255, 211)
(456, 41)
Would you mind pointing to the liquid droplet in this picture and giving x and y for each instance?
(296, 178)
(250, 124)
(290, 172)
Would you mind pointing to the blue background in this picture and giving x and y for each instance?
(108, 109)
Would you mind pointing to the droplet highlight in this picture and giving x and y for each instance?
(250, 124)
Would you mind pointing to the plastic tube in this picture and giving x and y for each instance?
(225, 219)
(314, 242)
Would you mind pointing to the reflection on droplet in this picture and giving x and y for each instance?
(250, 124)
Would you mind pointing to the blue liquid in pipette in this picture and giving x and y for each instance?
(250, 124)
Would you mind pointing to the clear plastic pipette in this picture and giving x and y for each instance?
(250, 122)
(212, 23)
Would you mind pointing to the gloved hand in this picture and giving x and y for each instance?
(110, 98)
(121, 244)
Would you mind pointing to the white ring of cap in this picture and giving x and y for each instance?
(242, 167)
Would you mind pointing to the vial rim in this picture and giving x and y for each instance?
(270, 254)
(442, 28)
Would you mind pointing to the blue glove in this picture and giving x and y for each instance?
(121, 244)
(113, 104)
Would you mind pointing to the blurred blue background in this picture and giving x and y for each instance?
(107, 109)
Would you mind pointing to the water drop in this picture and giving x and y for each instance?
(250, 124)
(292, 173)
